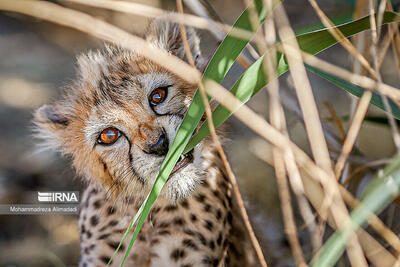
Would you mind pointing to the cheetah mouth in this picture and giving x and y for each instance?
(183, 161)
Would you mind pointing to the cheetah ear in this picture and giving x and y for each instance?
(50, 121)
(167, 35)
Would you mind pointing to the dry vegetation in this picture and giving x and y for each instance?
(320, 182)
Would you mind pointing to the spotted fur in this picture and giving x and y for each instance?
(194, 221)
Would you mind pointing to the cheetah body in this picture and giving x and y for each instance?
(194, 222)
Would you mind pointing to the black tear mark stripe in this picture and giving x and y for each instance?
(134, 172)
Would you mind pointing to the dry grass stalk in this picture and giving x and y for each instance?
(203, 8)
(333, 199)
(338, 35)
(87, 24)
(374, 52)
(278, 120)
(362, 42)
(353, 131)
(102, 30)
(304, 92)
(220, 150)
(284, 160)
(287, 211)
(375, 252)
(216, 28)
(265, 130)
(385, 46)
(336, 119)
(363, 81)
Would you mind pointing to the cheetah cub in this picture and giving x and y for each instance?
(117, 122)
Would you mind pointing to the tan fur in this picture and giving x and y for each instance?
(193, 218)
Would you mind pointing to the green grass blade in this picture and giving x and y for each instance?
(379, 197)
(313, 43)
(219, 65)
(355, 90)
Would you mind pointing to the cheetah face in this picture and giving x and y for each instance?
(119, 119)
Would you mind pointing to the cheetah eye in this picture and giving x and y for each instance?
(158, 96)
(108, 136)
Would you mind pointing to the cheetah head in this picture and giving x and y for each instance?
(118, 120)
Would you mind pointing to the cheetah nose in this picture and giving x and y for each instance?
(160, 147)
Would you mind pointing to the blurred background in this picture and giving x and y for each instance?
(37, 59)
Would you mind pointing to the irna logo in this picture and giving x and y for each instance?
(58, 196)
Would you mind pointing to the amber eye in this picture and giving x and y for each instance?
(158, 96)
(109, 136)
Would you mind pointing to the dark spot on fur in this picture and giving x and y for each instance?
(114, 245)
(103, 236)
(111, 210)
(189, 243)
(119, 231)
(142, 238)
(103, 228)
(177, 254)
(229, 216)
(216, 194)
(200, 197)
(97, 204)
(113, 223)
(185, 204)
(208, 225)
(179, 221)
(229, 201)
(156, 210)
(164, 232)
(202, 239)
(219, 239)
(207, 207)
(171, 208)
(189, 232)
(88, 234)
(94, 220)
(164, 225)
(210, 260)
(105, 259)
(218, 214)
(186, 265)
(233, 249)
(154, 241)
(211, 245)
(193, 217)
